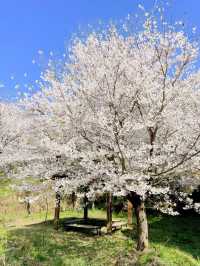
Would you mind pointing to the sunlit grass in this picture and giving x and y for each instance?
(174, 241)
(30, 241)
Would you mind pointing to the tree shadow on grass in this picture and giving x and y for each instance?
(176, 232)
(39, 244)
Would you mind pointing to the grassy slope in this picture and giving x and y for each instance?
(29, 241)
(174, 241)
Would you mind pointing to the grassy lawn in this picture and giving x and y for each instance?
(174, 241)
(29, 241)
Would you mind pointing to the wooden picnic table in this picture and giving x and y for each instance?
(91, 225)
(84, 227)
(73, 220)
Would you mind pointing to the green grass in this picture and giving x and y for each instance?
(29, 241)
(40, 244)
(5, 189)
(174, 241)
(3, 244)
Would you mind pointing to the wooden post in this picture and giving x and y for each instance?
(109, 212)
(85, 207)
(130, 213)
(57, 211)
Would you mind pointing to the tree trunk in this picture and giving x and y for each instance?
(28, 207)
(57, 211)
(142, 225)
(109, 212)
(73, 200)
(130, 213)
(85, 208)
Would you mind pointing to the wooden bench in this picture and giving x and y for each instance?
(83, 227)
(73, 220)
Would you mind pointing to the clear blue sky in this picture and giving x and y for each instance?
(27, 26)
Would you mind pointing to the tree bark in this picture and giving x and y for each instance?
(57, 211)
(85, 208)
(142, 225)
(73, 200)
(28, 207)
(109, 212)
(130, 213)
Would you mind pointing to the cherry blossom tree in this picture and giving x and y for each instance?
(12, 127)
(126, 108)
(137, 107)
